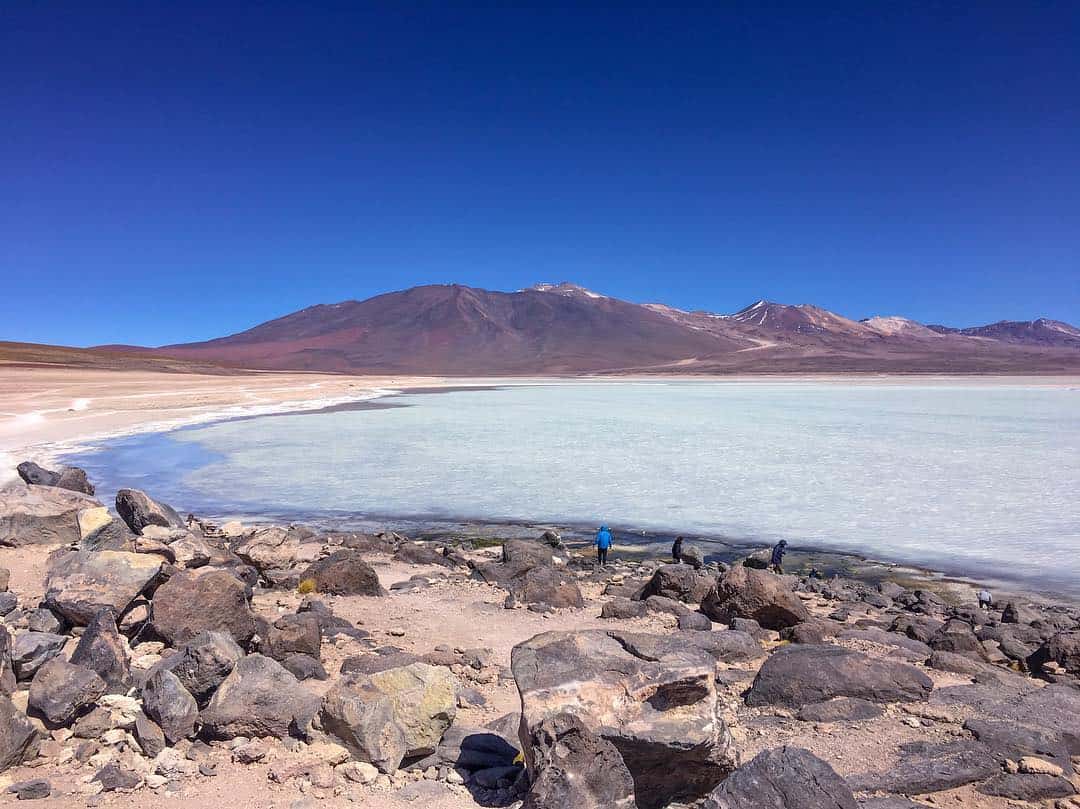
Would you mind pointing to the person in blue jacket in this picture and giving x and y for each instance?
(603, 543)
(778, 551)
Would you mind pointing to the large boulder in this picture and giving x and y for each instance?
(362, 719)
(101, 531)
(40, 515)
(574, 767)
(7, 673)
(68, 477)
(546, 586)
(958, 637)
(931, 767)
(32, 650)
(1062, 649)
(269, 548)
(784, 777)
(519, 556)
(102, 650)
(170, 705)
(804, 674)
(259, 698)
(80, 584)
(18, 738)
(656, 704)
(424, 699)
(679, 582)
(343, 573)
(61, 690)
(204, 599)
(204, 662)
(138, 510)
(743, 592)
(300, 633)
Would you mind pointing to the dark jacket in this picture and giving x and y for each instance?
(778, 552)
(603, 538)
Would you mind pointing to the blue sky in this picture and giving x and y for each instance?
(174, 172)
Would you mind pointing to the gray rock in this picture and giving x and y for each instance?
(929, 767)
(787, 777)
(114, 778)
(31, 650)
(918, 649)
(69, 477)
(743, 592)
(694, 621)
(259, 698)
(268, 548)
(574, 767)
(678, 582)
(40, 515)
(33, 789)
(958, 637)
(343, 573)
(622, 607)
(61, 690)
(18, 738)
(43, 619)
(138, 510)
(546, 586)
(102, 650)
(7, 673)
(816, 631)
(80, 584)
(9, 602)
(841, 709)
(801, 675)
(1063, 648)
(170, 705)
(149, 735)
(204, 662)
(362, 718)
(1027, 787)
(1009, 739)
(657, 706)
(206, 599)
(693, 556)
(424, 699)
(291, 634)
(304, 667)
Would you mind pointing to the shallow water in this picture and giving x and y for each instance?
(967, 478)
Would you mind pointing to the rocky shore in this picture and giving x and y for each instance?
(150, 656)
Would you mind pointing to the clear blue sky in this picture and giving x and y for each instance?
(177, 171)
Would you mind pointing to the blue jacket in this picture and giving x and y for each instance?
(778, 552)
(603, 538)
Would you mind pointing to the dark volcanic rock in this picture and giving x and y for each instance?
(918, 649)
(170, 705)
(304, 667)
(817, 631)
(33, 789)
(841, 709)
(573, 767)
(139, 510)
(679, 582)
(694, 621)
(206, 599)
(150, 737)
(1063, 649)
(959, 638)
(259, 698)
(291, 634)
(102, 650)
(656, 706)
(18, 738)
(801, 675)
(31, 650)
(7, 673)
(60, 690)
(787, 777)
(69, 477)
(1014, 741)
(80, 584)
(746, 593)
(546, 586)
(203, 663)
(930, 767)
(113, 778)
(343, 573)
(1027, 787)
(622, 607)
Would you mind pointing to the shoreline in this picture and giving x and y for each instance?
(277, 394)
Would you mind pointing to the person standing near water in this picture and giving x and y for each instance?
(676, 550)
(603, 544)
(778, 551)
(986, 601)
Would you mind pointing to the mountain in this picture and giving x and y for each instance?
(562, 328)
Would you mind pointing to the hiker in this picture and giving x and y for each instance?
(986, 601)
(603, 544)
(778, 551)
(676, 550)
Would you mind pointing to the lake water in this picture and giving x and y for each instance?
(968, 478)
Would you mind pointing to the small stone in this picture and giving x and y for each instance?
(208, 770)
(249, 753)
(1038, 766)
(359, 771)
(912, 721)
(30, 790)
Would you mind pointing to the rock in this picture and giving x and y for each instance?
(743, 592)
(80, 584)
(31, 650)
(304, 667)
(139, 510)
(816, 631)
(40, 515)
(9, 602)
(917, 627)
(102, 650)
(290, 634)
(1063, 648)
(724, 646)
(694, 621)
(622, 608)
(100, 531)
(678, 582)
(7, 673)
(841, 709)
(424, 700)
(802, 675)
(1011, 740)
(661, 713)
(207, 599)
(18, 738)
(249, 752)
(192, 551)
(204, 662)
(362, 718)
(1039, 766)
(170, 705)
(917, 648)
(784, 777)
(968, 666)
(418, 553)
(114, 778)
(958, 637)
(1013, 614)
(372, 663)
(43, 619)
(693, 555)
(268, 548)
(5, 579)
(546, 586)
(1031, 788)
(33, 789)
(259, 698)
(149, 735)
(344, 573)
(519, 556)
(573, 767)
(69, 477)
(931, 767)
(60, 690)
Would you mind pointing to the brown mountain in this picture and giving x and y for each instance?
(565, 329)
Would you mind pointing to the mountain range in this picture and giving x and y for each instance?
(567, 329)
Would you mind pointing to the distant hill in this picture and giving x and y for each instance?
(566, 329)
